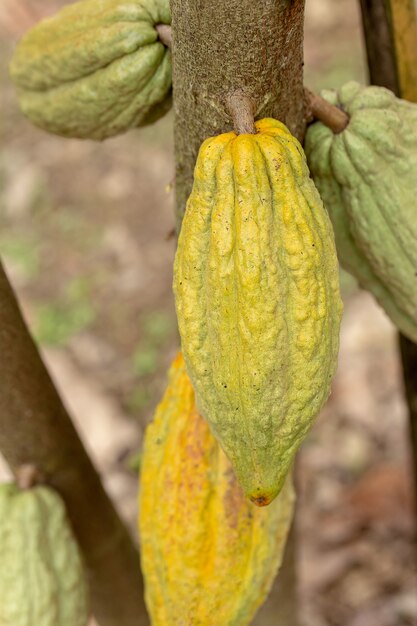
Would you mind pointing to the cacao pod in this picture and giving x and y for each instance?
(257, 298)
(96, 69)
(367, 177)
(42, 580)
(209, 556)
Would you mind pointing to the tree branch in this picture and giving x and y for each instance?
(318, 108)
(379, 44)
(35, 429)
(403, 19)
(408, 351)
(281, 605)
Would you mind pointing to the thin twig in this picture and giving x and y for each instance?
(318, 108)
(242, 111)
(165, 34)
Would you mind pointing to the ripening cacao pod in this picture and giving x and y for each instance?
(257, 298)
(367, 177)
(209, 556)
(96, 69)
(42, 580)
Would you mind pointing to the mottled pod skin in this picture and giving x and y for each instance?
(209, 556)
(257, 298)
(42, 580)
(96, 69)
(367, 177)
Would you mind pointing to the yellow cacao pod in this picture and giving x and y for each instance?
(257, 297)
(42, 577)
(209, 556)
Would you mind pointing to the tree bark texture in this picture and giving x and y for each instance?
(391, 26)
(280, 608)
(379, 44)
(409, 362)
(253, 48)
(403, 19)
(390, 30)
(35, 428)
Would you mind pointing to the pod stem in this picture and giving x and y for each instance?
(318, 108)
(165, 34)
(241, 108)
(28, 476)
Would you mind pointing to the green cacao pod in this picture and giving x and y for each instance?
(257, 297)
(209, 556)
(42, 580)
(96, 69)
(367, 177)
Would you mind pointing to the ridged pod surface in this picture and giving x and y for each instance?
(95, 69)
(257, 298)
(367, 177)
(42, 580)
(209, 556)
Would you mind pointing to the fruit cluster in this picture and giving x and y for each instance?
(259, 311)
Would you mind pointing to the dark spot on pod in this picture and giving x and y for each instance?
(261, 500)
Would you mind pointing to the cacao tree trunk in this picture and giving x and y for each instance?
(390, 31)
(280, 609)
(379, 44)
(408, 350)
(35, 429)
(252, 49)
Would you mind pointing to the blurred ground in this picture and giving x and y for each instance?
(85, 235)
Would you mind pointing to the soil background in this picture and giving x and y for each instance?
(86, 234)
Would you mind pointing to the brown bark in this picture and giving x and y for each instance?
(35, 429)
(253, 48)
(379, 44)
(408, 351)
(403, 21)
(280, 606)
(385, 62)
